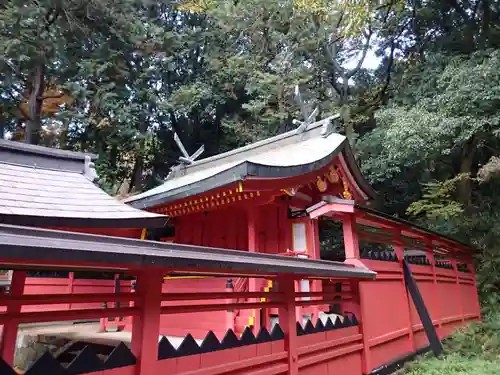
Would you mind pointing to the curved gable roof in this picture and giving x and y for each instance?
(286, 155)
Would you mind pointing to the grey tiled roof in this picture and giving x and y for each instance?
(55, 247)
(63, 196)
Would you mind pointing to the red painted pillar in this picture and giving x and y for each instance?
(477, 306)
(9, 337)
(253, 248)
(230, 313)
(71, 278)
(364, 309)
(313, 245)
(435, 292)
(351, 242)
(352, 256)
(287, 320)
(458, 291)
(146, 326)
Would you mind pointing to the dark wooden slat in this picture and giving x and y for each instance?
(5, 369)
(300, 330)
(230, 340)
(247, 338)
(165, 349)
(210, 343)
(320, 327)
(277, 333)
(46, 364)
(309, 328)
(121, 356)
(263, 336)
(85, 362)
(425, 318)
(188, 346)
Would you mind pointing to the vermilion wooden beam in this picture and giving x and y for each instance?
(332, 209)
(252, 236)
(411, 232)
(320, 294)
(8, 344)
(55, 299)
(351, 242)
(218, 295)
(52, 316)
(146, 325)
(218, 307)
(287, 321)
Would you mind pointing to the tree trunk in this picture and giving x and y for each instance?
(345, 112)
(136, 180)
(485, 24)
(466, 161)
(35, 102)
(63, 138)
(19, 131)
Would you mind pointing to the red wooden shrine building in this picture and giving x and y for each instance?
(266, 305)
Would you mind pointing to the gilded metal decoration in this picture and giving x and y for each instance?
(321, 184)
(332, 175)
(346, 194)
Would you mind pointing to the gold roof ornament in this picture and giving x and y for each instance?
(346, 194)
(321, 184)
(332, 175)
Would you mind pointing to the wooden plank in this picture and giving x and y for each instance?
(423, 313)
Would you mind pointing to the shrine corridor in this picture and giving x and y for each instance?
(378, 327)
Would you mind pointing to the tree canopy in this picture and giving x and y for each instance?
(416, 84)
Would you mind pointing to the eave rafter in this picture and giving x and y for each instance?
(329, 180)
(217, 199)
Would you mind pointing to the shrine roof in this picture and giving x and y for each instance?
(41, 186)
(32, 247)
(287, 155)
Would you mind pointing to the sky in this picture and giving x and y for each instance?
(371, 61)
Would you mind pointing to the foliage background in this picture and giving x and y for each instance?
(417, 85)
(474, 349)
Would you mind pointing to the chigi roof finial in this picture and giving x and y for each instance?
(186, 158)
(308, 116)
(89, 169)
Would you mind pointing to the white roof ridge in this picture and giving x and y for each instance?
(315, 126)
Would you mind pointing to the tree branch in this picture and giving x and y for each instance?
(366, 47)
(379, 97)
(51, 17)
(331, 52)
(16, 99)
(333, 82)
(55, 96)
(454, 4)
(383, 91)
